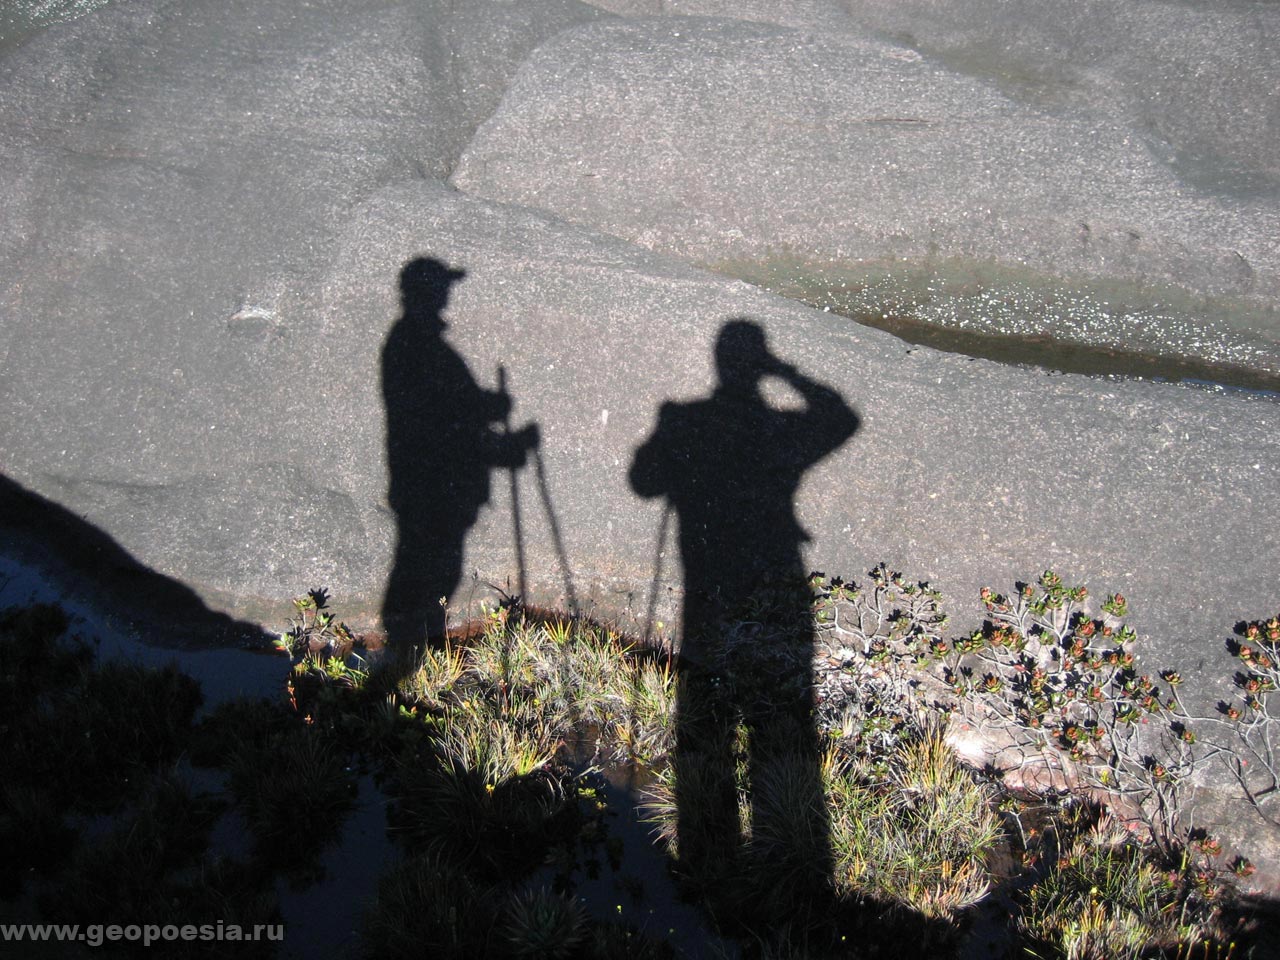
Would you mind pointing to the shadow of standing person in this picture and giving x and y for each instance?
(441, 445)
(729, 466)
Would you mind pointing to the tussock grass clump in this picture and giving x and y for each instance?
(697, 801)
(293, 791)
(920, 839)
(1107, 898)
(543, 925)
(486, 801)
(435, 677)
(785, 823)
(235, 724)
(647, 731)
(428, 907)
(555, 680)
(563, 674)
(501, 787)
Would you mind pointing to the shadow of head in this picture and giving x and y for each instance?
(742, 354)
(424, 288)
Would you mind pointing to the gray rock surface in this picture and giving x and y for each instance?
(177, 176)
(209, 206)
(741, 144)
(1196, 82)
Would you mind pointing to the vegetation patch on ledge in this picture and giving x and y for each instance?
(814, 786)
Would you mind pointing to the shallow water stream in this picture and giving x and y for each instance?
(1020, 318)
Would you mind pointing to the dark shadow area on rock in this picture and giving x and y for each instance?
(445, 434)
(47, 535)
(729, 467)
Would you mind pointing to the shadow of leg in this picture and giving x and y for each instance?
(709, 829)
(790, 846)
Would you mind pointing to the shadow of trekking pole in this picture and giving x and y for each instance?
(557, 539)
(515, 496)
(553, 520)
(655, 584)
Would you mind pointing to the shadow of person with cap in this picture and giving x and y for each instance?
(441, 445)
(729, 466)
